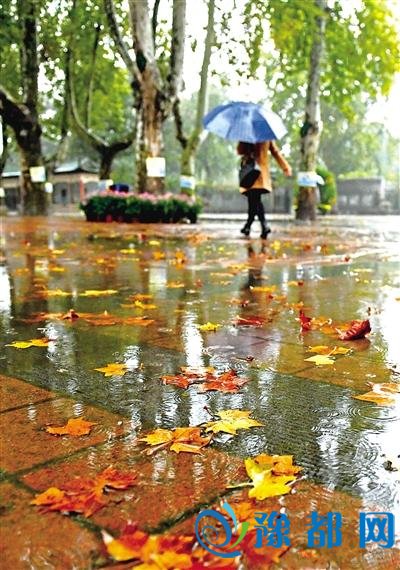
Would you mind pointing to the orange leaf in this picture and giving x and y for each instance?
(251, 321)
(74, 426)
(358, 329)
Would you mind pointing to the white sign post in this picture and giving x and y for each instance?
(155, 167)
(37, 173)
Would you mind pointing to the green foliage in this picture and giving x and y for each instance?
(362, 45)
(328, 191)
(141, 208)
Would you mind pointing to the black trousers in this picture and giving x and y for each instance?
(255, 206)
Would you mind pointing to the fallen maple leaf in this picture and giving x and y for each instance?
(263, 289)
(231, 421)
(102, 319)
(41, 342)
(320, 359)
(270, 475)
(249, 321)
(71, 315)
(187, 439)
(114, 369)
(175, 285)
(98, 292)
(178, 380)
(209, 327)
(327, 350)
(304, 321)
(226, 382)
(82, 495)
(381, 394)
(74, 426)
(357, 330)
(156, 552)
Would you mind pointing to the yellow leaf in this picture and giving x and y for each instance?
(158, 436)
(187, 447)
(327, 350)
(262, 289)
(56, 293)
(74, 426)
(231, 421)
(381, 394)
(209, 327)
(127, 250)
(41, 342)
(320, 360)
(98, 292)
(114, 369)
(264, 483)
(51, 494)
(139, 305)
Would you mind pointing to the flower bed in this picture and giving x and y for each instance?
(148, 208)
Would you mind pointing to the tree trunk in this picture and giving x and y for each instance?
(151, 142)
(33, 197)
(157, 96)
(23, 118)
(191, 144)
(312, 126)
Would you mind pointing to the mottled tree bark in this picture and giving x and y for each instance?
(191, 143)
(156, 96)
(23, 117)
(312, 126)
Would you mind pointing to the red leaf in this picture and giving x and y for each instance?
(358, 329)
(304, 321)
(249, 321)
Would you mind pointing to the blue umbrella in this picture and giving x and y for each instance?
(247, 122)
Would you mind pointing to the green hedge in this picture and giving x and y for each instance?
(147, 208)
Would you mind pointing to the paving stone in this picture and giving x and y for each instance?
(168, 483)
(33, 541)
(25, 443)
(16, 393)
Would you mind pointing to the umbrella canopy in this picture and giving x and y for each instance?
(247, 122)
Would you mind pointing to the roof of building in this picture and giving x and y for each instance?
(71, 167)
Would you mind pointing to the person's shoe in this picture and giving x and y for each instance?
(265, 230)
(245, 230)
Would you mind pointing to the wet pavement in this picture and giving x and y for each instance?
(158, 285)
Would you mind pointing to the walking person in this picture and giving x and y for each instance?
(263, 185)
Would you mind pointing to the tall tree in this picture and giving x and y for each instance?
(311, 129)
(86, 58)
(337, 50)
(155, 80)
(23, 115)
(190, 143)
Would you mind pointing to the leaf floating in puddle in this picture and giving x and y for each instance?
(358, 329)
(98, 292)
(41, 342)
(320, 360)
(71, 315)
(183, 439)
(305, 321)
(250, 321)
(271, 475)
(329, 351)
(114, 369)
(74, 426)
(231, 421)
(83, 495)
(381, 394)
(209, 327)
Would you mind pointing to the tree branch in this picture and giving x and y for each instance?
(94, 141)
(154, 19)
(177, 47)
(180, 134)
(89, 92)
(121, 46)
